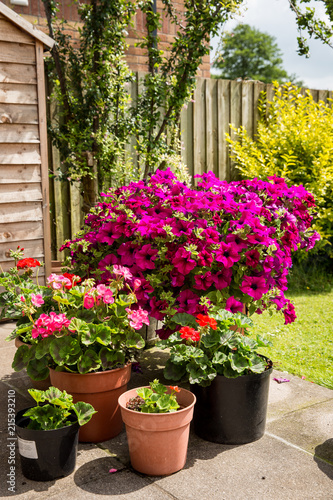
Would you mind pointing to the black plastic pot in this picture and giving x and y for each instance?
(232, 410)
(46, 455)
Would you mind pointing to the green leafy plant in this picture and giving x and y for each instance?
(55, 409)
(156, 399)
(220, 346)
(74, 327)
(97, 118)
(294, 141)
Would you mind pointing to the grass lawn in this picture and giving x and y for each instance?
(303, 348)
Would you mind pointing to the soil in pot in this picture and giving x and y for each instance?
(46, 455)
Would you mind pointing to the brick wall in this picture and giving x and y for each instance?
(135, 55)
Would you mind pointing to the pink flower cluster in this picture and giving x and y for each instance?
(137, 318)
(184, 246)
(97, 295)
(47, 325)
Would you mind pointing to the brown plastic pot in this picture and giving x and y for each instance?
(158, 441)
(101, 390)
(42, 385)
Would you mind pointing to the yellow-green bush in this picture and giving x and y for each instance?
(294, 140)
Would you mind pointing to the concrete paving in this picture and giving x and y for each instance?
(294, 460)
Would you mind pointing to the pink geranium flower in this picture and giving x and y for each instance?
(37, 299)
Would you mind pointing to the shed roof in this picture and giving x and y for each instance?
(25, 25)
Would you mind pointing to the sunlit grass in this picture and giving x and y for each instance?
(303, 348)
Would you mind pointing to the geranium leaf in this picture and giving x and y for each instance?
(88, 362)
(84, 412)
(22, 357)
(174, 372)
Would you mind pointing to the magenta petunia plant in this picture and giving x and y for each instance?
(190, 248)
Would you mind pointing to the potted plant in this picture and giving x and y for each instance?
(229, 379)
(48, 434)
(85, 337)
(157, 420)
(226, 244)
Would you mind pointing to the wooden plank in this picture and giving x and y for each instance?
(20, 231)
(25, 25)
(12, 132)
(235, 115)
(247, 107)
(223, 105)
(32, 248)
(258, 88)
(10, 33)
(322, 95)
(15, 93)
(19, 113)
(211, 126)
(186, 136)
(26, 154)
(199, 127)
(44, 155)
(10, 174)
(314, 94)
(10, 193)
(21, 211)
(76, 208)
(17, 53)
(17, 73)
(269, 96)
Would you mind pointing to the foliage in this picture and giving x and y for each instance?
(248, 53)
(155, 399)
(97, 118)
(295, 141)
(218, 347)
(77, 328)
(189, 248)
(21, 276)
(304, 348)
(307, 20)
(57, 410)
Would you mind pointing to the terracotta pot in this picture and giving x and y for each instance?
(158, 441)
(43, 385)
(101, 390)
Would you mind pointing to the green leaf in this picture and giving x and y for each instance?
(37, 369)
(43, 347)
(184, 319)
(219, 358)
(84, 412)
(22, 357)
(174, 371)
(65, 350)
(89, 362)
(238, 362)
(111, 358)
(258, 364)
(134, 340)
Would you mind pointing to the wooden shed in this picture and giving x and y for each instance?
(24, 191)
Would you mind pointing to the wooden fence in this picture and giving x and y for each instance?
(216, 104)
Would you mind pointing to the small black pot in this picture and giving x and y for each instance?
(232, 410)
(46, 455)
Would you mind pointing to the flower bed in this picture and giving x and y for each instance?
(220, 243)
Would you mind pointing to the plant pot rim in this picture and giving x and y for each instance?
(158, 415)
(126, 365)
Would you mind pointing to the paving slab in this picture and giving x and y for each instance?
(293, 461)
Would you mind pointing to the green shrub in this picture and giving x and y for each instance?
(294, 140)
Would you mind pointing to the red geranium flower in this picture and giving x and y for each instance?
(73, 278)
(29, 262)
(174, 388)
(188, 333)
(205, 321)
